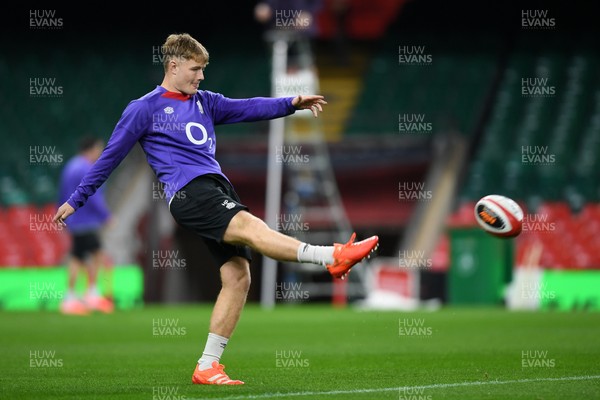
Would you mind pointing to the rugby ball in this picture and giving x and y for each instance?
(499, 215)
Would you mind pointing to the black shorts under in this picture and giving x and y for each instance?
(205, 206)
(85, 244)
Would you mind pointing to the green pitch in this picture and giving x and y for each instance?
(304, 352)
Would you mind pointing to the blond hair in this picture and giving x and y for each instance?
(183, 46)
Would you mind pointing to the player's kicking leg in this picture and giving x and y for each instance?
(246, 229)
(210, 207)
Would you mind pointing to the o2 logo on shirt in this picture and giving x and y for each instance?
(191, 138)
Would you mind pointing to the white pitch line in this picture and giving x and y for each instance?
(392, 389)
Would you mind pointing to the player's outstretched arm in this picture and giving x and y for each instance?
(230, 111)
(63, 213)
(312, 102)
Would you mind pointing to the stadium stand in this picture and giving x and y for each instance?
(540, 150)
(450, 91)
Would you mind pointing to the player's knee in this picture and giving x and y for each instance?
(245, 228)
(241, 283)
(235, 275)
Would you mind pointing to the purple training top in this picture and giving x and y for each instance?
(177, 133)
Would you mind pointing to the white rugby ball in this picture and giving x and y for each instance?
(499, 215)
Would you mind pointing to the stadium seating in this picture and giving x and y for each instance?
(28, 238)
(565, 127)
(560, 193)
(450, 91)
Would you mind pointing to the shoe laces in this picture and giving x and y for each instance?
(220, 368)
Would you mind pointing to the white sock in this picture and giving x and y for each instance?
(321, 255)
(71, 295)
(213, 350)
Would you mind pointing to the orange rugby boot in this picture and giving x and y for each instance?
(349, 254)
(213, 376)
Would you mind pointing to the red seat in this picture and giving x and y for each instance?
(555, 210)
(29, 238)
(590, 211)
(463, 216)
(20, 216)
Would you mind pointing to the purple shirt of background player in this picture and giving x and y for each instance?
(95, 213)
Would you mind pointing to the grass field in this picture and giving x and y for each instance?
(304, 352)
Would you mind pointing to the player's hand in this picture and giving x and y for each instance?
(309, 102)
(63, 213)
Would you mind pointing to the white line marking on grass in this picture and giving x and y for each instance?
(398, 388)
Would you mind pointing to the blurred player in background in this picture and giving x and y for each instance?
(84, 228)
(200, 197)
(297, 16)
